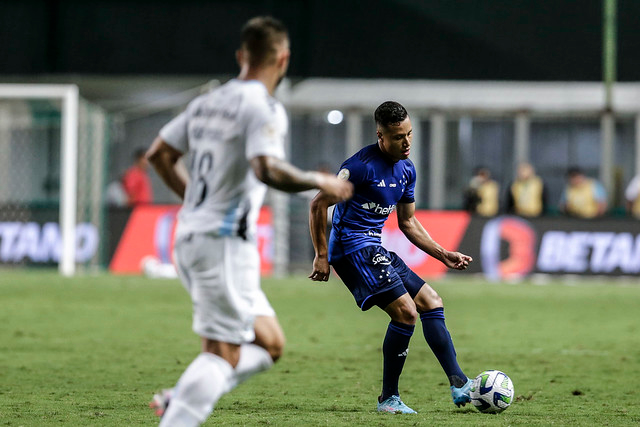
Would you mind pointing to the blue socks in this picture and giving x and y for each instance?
(438, 338)
(394, 351)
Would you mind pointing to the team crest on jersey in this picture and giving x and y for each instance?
(380, 259)
(269, 131)
(344, 174)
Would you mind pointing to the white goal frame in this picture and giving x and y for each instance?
(70, 97)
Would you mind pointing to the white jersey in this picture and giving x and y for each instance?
(222, 130)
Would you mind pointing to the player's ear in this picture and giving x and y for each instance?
(379, 135)
(283, 58)
(239, 57)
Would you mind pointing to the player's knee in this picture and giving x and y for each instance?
(407, 314)
(428, 299)
(436, 301)
(275, 347)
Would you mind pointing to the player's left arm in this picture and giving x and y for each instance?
(164, 159)
(415, 232)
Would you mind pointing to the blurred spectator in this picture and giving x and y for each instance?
(136, 181)
(583, 197)
(632, 194)
(115, 195)
(481, 197)
(527, 194)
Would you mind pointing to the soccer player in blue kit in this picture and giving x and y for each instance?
(384, 180)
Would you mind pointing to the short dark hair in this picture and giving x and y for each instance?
(389, 112)
(139, 153)
(481, 169)
(260, 37)
(574, 171)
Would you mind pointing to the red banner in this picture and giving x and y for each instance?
(445, 227)
(150, 232)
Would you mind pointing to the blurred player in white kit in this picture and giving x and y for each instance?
(235, 139)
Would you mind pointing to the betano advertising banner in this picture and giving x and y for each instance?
(150, 232)
(32, 236)
(509, 247)
(503, 248)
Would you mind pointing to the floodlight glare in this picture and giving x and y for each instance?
(335, 117)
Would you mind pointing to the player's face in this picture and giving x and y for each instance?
(395, 139)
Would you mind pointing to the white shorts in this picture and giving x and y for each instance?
(222, 275)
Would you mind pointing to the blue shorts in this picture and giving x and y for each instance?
(376, 276)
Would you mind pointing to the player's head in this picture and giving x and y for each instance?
(393, 127)
(264, 44)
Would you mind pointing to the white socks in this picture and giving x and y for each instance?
(253, 360)
(206, 379)
(198, 389)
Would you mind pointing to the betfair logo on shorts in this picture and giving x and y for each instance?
(380, 259)
(373, 206)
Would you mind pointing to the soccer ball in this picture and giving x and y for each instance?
(491, 392)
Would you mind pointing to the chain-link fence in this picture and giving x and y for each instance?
(30, 172)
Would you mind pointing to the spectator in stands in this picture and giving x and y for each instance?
(481, 197)
(632, 195)
(527, 194)
(583, 197)
(136, 181)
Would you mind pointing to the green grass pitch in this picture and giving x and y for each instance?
(93, 350)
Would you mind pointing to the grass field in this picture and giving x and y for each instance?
(93, 350)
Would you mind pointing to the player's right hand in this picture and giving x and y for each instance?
(335, 187)
(321, 269)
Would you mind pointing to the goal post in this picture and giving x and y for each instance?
(68, 111)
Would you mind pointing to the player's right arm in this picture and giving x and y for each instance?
(164, 158)
(318, 230)
(283, 176)
(166, 150)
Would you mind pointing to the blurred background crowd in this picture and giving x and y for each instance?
(523, 108)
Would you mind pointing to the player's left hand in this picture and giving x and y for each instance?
(321, 269)
(457, 260)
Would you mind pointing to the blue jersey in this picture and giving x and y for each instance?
(379, 185)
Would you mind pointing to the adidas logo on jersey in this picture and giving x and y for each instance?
(381, 184)
(373, 206)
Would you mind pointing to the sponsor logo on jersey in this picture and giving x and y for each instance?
(380, 259)
(344, 174)
(374, 234)
(393, 184)
(381, 184)
(381, 210)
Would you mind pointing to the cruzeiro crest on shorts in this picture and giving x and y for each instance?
(344, 174)
(380, 259)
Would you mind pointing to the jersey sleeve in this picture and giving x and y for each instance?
(265, 131)
(408, 195)
(175, 132)
(353, 170)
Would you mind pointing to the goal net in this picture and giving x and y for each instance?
(53, 147)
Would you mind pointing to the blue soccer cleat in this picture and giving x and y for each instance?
(394, 405)
(460, 395)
